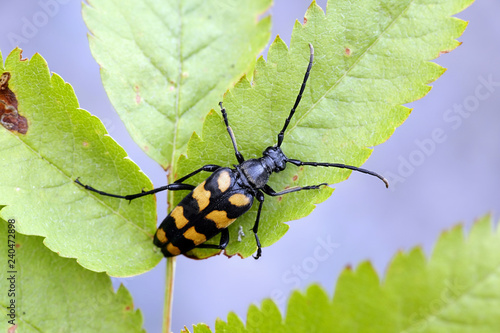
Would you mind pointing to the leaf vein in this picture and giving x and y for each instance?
(340, 79)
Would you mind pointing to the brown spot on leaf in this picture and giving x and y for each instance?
(85, 144)
(305, 20)
(347, 51)
(295, 177)
(18, 245)
(9, 115)
(443, 52)
(128, 308)
(137, 95)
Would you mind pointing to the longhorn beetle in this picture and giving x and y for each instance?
(227, 193)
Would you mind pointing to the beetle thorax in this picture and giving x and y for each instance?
(258, 170)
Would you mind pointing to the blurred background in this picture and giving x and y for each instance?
(443, 164)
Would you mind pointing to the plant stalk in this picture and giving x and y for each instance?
(169, 294)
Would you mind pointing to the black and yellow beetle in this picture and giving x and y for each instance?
(226, 194)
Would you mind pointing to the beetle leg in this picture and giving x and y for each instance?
(260, 198)
(269, 191)
(170, 187)
(208, 168)
(224, 240)
(175, 186)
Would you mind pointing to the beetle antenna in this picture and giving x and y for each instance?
(299, 96)
(339, 165)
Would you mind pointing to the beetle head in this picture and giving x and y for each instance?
(275, 159)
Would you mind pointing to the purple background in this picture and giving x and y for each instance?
(455, 179)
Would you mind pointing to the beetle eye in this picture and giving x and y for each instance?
(281, 165)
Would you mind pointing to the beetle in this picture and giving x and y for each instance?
(227, 193)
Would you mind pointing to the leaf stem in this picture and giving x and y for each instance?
(169, 294)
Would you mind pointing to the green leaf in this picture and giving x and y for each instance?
(370, 58)
(457, 290)
(200, 328)
(54, 294)
(165, 64)
(62, 143)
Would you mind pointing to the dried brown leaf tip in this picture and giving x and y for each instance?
(9, 115)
